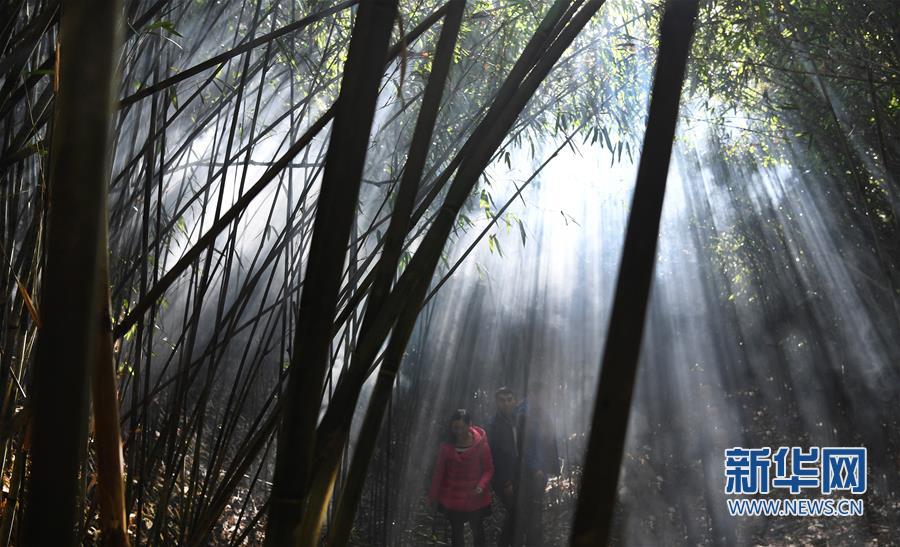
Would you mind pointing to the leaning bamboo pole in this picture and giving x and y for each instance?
(597, 494)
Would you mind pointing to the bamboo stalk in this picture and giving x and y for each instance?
(107, 437)
(597, 493)
(78, 181)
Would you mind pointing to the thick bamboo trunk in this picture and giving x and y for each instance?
(79, 174)
(335, 215)
(597, 494)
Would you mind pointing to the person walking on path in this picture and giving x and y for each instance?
(504, 434)
(461, 479)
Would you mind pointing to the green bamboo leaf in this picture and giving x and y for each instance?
(167, 26)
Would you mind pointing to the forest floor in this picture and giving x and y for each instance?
(878, 527)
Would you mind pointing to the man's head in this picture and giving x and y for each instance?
(506, 401)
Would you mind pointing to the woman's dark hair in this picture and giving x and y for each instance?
(462, 414)
(459, 414)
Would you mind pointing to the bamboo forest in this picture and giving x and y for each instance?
(449, 272)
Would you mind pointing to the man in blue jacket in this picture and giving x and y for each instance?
(504, 436)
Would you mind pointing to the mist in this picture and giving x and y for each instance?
(774, 311)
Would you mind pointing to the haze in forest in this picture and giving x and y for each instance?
(774, 308)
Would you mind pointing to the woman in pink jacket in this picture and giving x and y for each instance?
(460, 484)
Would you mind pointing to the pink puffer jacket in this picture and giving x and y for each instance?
(457, 474)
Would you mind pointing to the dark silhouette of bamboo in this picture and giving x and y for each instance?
(494, 218)
(408, 296)
(399, 227)
(596, 498)
(383, 316)
(411, 288)
(78, 180)
(335, 214)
